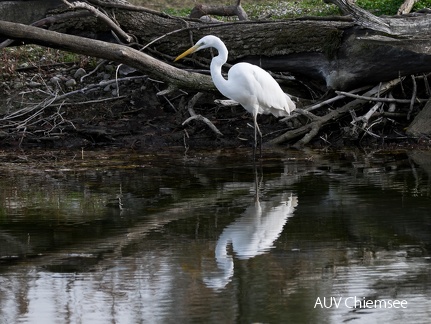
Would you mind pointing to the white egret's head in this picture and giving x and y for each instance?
(204, 42)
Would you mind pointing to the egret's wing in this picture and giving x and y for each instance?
(250, 84)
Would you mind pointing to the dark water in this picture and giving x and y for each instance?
(299, 238)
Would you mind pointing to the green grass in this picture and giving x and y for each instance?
(268, 9)
(12, 58)
(279, 9)
(290, 9)
(380, 7)
(389, 7)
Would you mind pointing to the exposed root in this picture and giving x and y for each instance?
(194, 116)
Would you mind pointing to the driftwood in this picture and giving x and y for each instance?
(201, 10)
(321, 54)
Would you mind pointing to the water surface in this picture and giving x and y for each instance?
(300, 237)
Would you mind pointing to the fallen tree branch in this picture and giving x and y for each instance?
(378, 99)
(113, 52)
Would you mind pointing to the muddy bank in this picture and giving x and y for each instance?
(64, 106)
(96, 111)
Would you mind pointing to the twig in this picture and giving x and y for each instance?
(366, 98)
(363, 119)
(80, 103)
(413, 99)
(163, 94)
(94, 70)
(193, 115)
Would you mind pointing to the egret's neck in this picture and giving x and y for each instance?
(216, 64)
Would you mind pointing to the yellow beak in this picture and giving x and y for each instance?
(189, 51)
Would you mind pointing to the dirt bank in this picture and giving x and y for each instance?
(60, 106)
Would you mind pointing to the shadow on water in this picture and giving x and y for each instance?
(303, 237)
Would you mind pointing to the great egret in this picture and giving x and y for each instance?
(252, 87)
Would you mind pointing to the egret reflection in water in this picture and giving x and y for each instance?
(252, 234)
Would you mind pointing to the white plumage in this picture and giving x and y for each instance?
(252, 87)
